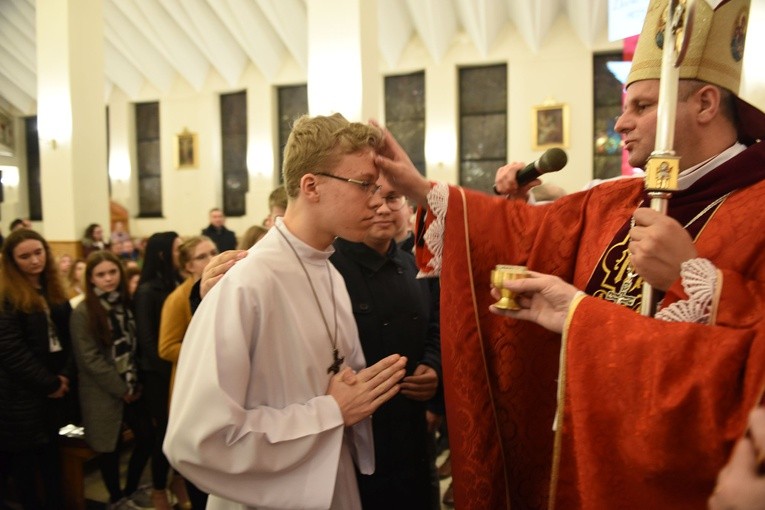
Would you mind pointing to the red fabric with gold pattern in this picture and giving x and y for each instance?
(652, 408)
(504, 409)
(659, 443)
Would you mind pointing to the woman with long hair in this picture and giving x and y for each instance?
(93, 240)
(36, 367)
(194, 255)
(159, 277)
(104, 342)
(75, 281)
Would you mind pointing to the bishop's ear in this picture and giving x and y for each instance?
(708, 98)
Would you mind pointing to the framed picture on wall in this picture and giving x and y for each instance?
(186, 150)
(6, 133)
(549, 126)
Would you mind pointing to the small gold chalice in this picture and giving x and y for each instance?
(504, 272)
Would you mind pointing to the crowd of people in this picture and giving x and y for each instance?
(92, 341)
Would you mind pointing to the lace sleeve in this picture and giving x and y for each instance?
(700, 280)
(438, 199)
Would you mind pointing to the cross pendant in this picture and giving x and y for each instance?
(622, 297)
(335, 366)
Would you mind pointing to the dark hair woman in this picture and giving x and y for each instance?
(93, 240)
(104, 342)
(36, 367)
(159, 277)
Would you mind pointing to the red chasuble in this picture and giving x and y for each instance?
(650, 409)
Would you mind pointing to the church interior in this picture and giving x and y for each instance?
(150, 113)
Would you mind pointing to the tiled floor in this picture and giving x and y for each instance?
(96, 493)
(97, 496)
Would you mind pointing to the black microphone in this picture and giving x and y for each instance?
(551, 160)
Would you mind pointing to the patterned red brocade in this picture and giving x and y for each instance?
(651, 408)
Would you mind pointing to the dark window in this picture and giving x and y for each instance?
(483, 124)
(233, 127)
(293, 103)
(34, 186)
(607, 104)
(405, 114)
(149, 163)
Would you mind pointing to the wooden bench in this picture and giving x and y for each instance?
(75, 452)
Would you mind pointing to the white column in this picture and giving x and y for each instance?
(71, 117)
(343, 68)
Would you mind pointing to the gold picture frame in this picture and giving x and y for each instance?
(186, 150)
(549, 126)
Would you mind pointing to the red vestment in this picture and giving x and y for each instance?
(650, 409)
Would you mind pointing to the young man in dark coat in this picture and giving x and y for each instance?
(223, 238)
(395, 313)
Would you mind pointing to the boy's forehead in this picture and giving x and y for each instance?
(358, 165)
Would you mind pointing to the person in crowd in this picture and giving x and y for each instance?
(434, 415)
(251, 236)
(64, 263)
(405, 235)
(115, 247)
(582, 378)
(93, 240)
(741, 483)
(395, 313)
(284, 311)
(223, 238)
(546, 192)
(159, 277)
(119, 233)
(277, 205)
(20, 223)
(128, 251)
(75, 282)
(104, 343)
(132, 278)
(36, 368)
(194, 254)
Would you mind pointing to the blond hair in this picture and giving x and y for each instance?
(187, 247)
(253, 234)
(317, 144)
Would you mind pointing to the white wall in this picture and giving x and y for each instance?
(560, 70)
(15, 199)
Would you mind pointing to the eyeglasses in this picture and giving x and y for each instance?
(369, 187)
(395, 202)
(205, 256)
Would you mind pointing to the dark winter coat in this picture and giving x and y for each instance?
(29, 373)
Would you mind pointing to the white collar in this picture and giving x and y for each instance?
(689, 176)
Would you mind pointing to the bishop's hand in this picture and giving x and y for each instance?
(658, 246)
(393, 161)
(359, 395)
(543, 298)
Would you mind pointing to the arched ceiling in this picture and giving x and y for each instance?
(156, 42)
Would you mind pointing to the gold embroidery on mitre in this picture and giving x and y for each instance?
(715, 45)
(739, 36)
(661, 26)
